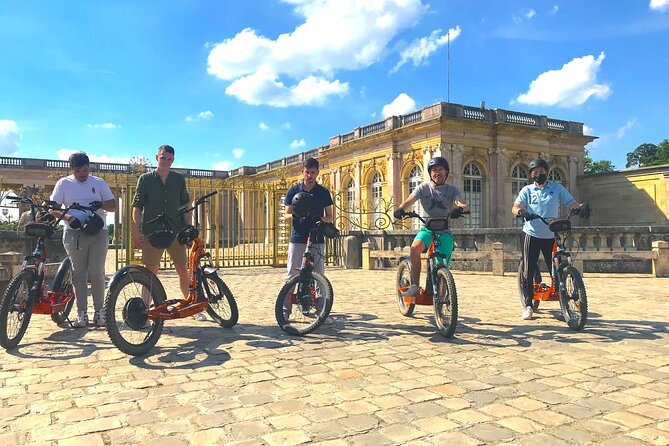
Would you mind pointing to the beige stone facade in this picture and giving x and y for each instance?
(373, 168)
(637, 197)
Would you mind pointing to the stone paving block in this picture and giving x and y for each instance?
(498, 410)
(490, 432)
(459, 438)
(526, 404)
(286, 438)
(435, 424)
(468, 417)
(622, 441)
(88, 440)
(548, 417)
(651, 436)
(369, 439)
(651, 411)
(576, 411)
(628, 419)
(520, 424)
(360, 423)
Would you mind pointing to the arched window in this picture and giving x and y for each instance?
(519, 178)
(473, 191)
(351, 217)
(377, 196)
(415, 178)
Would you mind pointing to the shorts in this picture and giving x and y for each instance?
(446, 243)
(151, 255)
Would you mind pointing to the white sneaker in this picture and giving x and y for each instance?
(527, 313)
(413, 291)
(99, 318)
(200, 316)
(82, 320)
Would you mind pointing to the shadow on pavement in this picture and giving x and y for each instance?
(62, 345)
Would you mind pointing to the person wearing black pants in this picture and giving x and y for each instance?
(541, 198)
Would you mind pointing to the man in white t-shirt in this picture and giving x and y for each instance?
(87, 251)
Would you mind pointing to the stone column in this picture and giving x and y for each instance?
(497, 165)
(575, 166)
(394, 161)
(661, 262)
(456, 162)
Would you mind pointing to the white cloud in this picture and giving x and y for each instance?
(624, 129)
(588, 130)
(106, 125)
(298, 67)
(64, 154)
(659, 5)
(264, 127)
(420, 49)
(401, 105)
(10, 137)
(287, 126)
(205, 116)
(238, 153)
(262, 88)
(297, 143)
(222, 165)
(569, 86)
(526, 15)
(555, 9)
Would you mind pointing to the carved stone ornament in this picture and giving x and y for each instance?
(382, 166)
(497, 151)
(546, 156)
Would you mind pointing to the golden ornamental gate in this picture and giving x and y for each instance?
(242, 225)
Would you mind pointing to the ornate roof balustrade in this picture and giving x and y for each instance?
(435, 111)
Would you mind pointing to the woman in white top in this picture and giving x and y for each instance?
(87, 249)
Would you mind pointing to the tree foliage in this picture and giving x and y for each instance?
(592, 167)
(648, 154)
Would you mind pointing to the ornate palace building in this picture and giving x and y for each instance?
(373, 168)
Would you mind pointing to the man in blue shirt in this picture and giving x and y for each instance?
(322, 207)
(542, 198)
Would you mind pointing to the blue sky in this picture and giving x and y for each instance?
(231, 83)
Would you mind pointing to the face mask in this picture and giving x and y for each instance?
(540, 178)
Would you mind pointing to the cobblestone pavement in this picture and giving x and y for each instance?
(374, 377)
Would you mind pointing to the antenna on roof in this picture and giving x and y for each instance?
(448, 67)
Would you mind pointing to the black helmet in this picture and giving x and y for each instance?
(92, 225)
(536, 163)
(302, 204)
(187, 234)
(437, 161)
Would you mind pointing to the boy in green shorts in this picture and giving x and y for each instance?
(437, 199)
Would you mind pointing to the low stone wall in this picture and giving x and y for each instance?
(617, 240)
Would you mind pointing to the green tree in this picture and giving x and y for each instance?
(648, 154)
(592, 167)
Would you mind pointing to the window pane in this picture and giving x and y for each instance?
(473, 191)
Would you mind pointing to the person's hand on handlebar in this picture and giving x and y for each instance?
(525, 215)
(456, 212)
(95, 205)
(399, 213)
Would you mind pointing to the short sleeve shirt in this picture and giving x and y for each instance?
(436, 201)
(322, 199)
(545, 202)
(69, 190)
(153, 197)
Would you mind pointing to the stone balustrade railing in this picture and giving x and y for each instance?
(604, 249)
